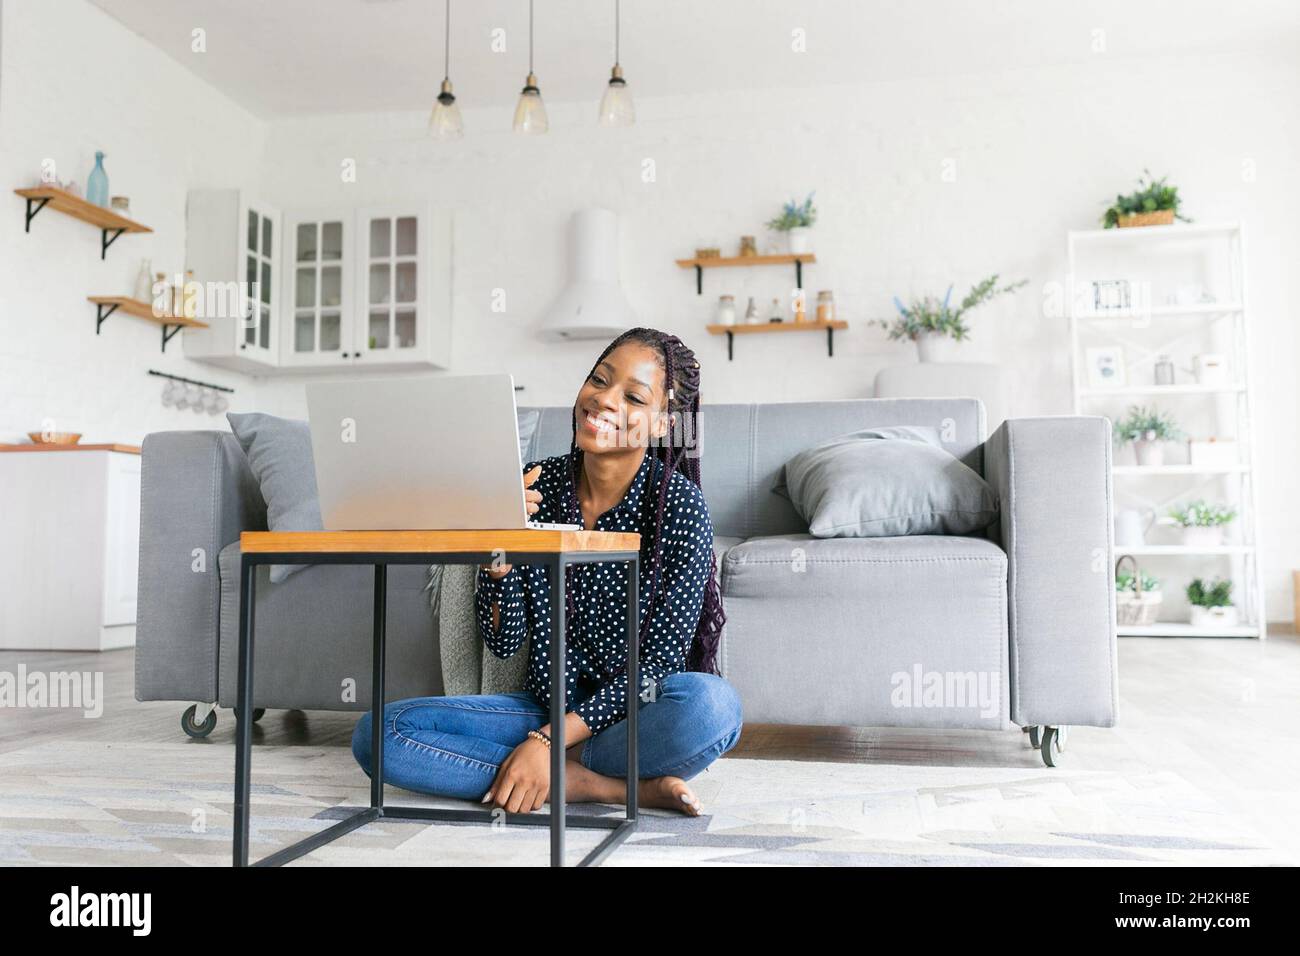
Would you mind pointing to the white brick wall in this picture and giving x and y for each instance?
(73, 80)
(1035, 151)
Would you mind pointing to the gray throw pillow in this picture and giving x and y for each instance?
(528, 421)
(884, 482)
(279, 454)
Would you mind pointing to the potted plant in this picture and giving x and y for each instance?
(1137, 595)
(795, 221)
(1153, 204)
(1203, 523)
(1148, 429)
(934, 325)
(1211, 603)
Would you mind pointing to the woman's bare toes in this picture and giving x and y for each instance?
(669, 793)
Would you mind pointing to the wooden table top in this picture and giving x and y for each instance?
(435, 542)
(125, 449)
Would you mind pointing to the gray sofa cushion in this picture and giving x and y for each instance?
(885, 482)
(870, 632)
(279, 453)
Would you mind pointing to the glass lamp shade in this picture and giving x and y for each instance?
(616, 105)
(444, 121)
(530, 113)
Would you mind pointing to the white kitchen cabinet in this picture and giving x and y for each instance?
(71, 552)
(319, 276)
(232, 244)
(329, 289)
(366, 288)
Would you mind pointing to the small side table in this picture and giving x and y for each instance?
(555, 549)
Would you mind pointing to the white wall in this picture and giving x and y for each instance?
(1035, 152)
(73, 80)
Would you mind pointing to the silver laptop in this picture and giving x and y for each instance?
(433, 452)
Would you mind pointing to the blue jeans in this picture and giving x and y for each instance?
(452, 746)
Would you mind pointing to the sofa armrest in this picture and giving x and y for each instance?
(1052, 476)
(196, 495)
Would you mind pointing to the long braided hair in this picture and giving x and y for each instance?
(682, 385)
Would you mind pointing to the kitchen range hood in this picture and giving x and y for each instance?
(592, 305)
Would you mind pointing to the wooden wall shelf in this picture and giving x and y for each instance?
(105, 220)
(106, 305)
(717, 262)
(746, 328)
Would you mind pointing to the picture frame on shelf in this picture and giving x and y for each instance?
(1110, 295)
(1105, 367)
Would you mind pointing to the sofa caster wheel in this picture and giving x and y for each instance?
(1051, 746)
(193, 728)
(1035, 736)
(258, 713)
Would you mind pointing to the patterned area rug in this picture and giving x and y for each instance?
(169, 804)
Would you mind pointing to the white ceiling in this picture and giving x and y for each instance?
(284, 57)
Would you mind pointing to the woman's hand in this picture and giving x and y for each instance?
(532, 502)
(523, 781)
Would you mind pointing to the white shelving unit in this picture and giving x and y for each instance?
(1155, 263)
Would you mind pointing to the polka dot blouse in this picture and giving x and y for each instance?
(596, 658)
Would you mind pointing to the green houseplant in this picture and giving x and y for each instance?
(795, 221)
(1147, 429)
(1154, 203)
(1203, 523)
(1211, 603)
(1137, 594)
(931, 322)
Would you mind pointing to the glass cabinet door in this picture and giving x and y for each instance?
(318, 288)
(392, 274)
(261, 238)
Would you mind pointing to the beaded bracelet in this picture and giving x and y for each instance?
(540, 735)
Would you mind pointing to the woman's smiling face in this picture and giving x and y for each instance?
(620, 405)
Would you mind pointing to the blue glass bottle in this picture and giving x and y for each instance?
(97, 184)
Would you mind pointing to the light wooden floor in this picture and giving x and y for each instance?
(1224, 714)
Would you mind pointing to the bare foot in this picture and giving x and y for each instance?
(663, 793)
(669, 793)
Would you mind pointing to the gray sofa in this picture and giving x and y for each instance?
(988, 632)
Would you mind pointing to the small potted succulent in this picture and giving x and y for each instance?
(1148, 429)
(796, 222)
(1153, 204)
(1137, 595)
(1203, 523)
(1211, 603)
(934, 325)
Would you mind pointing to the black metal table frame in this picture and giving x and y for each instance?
(558, 820)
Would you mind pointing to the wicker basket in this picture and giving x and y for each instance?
(1161, 217)
(1136, 607)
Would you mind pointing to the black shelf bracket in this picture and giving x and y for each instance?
(102, 311)
(31, 212)
(699, 276)
(830, 344)
(105, 241)
(168, 336)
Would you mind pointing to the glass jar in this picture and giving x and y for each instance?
(825, 306)
(725, 314)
